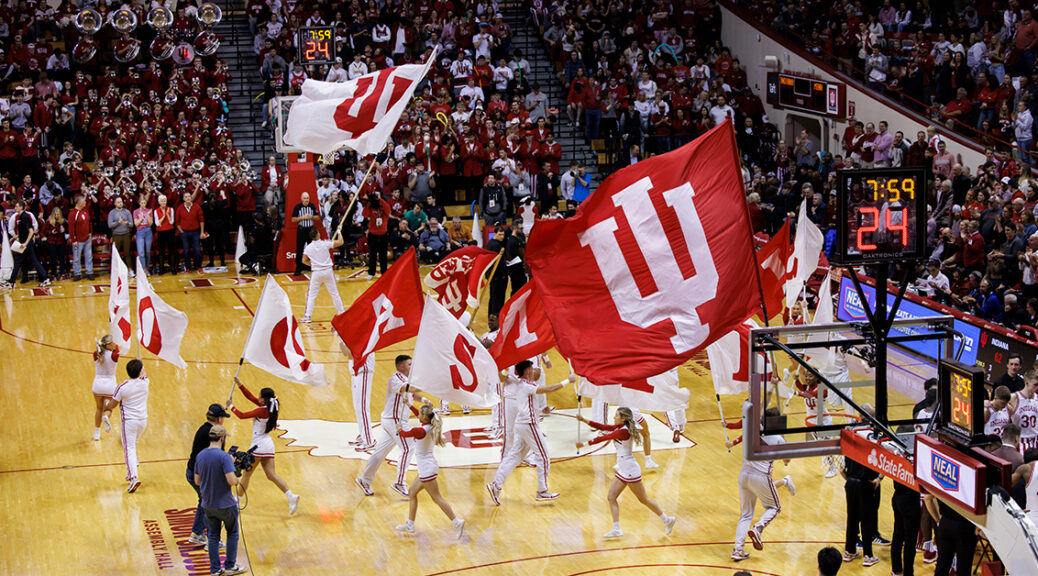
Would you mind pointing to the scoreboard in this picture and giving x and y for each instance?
(881, 215)
(316, 45)
(962, 393)
(814, 95)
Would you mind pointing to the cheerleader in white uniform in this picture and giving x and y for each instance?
(265, 419)
(106, 357)
(427, 436)
(624, 433)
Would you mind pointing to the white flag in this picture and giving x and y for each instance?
(275, 344)
(822, 358)
(729, 366)
(804, 261)
(450, 362)
(660, 393)
(240, 250)
(359, 114)
(160, 327)
(477, 231)
(6, 258)
(119, 303)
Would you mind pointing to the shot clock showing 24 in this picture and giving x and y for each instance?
(884, 215)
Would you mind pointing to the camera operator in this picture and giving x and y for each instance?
(377, 211)
(214, 417)
(215, 474)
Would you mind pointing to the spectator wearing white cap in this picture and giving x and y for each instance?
(337, 72)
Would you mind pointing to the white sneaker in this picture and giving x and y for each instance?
(365, 487)
(305, 319)
(547, 495)
(495, 494)
(293, 503)
(614, 533)
(107, 425)
(223, 545)
(790, 485)
(369, 277)
(755, 539)
(134, 485)
(739, 555)
(668, 524)
(97, 434)
(459, 526)
(400, 489)
(831, 472)
(197, 539)
(237, 569)
(466, 410)
(405, 527)
(650, 463)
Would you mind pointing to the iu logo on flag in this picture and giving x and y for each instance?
(370, 102)
(680, 261)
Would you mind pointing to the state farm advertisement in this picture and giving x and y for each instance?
(871, 454)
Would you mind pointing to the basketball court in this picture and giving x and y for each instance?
(66, 510)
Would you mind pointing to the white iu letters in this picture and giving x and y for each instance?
(383, 316)
(676, 297)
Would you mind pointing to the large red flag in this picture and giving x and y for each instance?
(524, 329)
(772, 261)
(457, 277)
(387, 313)
(655, 265)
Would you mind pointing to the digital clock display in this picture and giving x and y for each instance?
(881, 215)
(961, 391)
(316, 45)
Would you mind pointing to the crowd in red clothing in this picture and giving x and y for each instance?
(100, 129)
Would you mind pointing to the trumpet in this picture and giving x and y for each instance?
(131, 187)
(109, 171)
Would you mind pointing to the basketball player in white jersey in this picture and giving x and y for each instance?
(426, 437)
(106, 357)
(394, 420)
(360, 383)
(1027, 474)
(997, 412)
(755, 483)
(527, 435)
(1025, 411)
(317, 255)
(132, 398)
(624, 433)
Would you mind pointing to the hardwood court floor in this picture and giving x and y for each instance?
(64, 507)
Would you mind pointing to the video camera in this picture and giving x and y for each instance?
(243, 461)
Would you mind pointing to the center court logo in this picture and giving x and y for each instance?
(945, 472)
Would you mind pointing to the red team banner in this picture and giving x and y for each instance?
(654, 266)
(457, 278)
(772, 260)
(524, 329)
(386, 313)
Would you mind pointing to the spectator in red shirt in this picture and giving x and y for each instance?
(191, 224)
(377, 212)
(80, 232)
(972, 247)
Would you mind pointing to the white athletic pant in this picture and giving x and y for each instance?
(527, 438)
(361, 385)
(131, 434)
(497, 411)
(387, 437)
(317, 278)
(676, 420)
(844, 377)
(755, 486)
(511, 410)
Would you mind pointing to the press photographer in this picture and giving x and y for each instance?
(215, 474)
(376, 212)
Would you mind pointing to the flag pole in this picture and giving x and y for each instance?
(346, 214)
(724, 425)
(241, 359)
(749, 223)
(576, 389)
(139, 269)
(479, 298)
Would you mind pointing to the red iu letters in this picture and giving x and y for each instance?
(369, 103)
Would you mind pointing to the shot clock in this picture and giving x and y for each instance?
(881, 215)
(316, 45)
(961, 391)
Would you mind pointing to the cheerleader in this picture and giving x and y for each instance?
(427, 436)
(106, 356)
(265, 419)
(624, 432)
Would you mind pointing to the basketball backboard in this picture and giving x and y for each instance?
(284, 106)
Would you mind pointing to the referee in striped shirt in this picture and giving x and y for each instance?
(305, 216)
